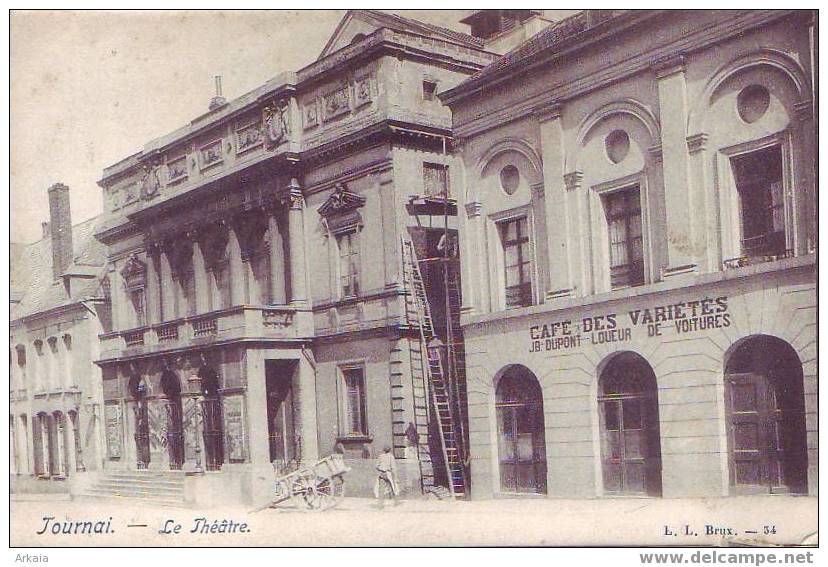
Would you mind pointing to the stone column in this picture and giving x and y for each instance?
(304, 387)
(681, 205)
(13, 462)
(167, 289)
(277, 259)
(390, 236)
(153, 286)
(28, 433)
(200, 281)
(69, 441)
(711, 260)
(475, 283)
(256, 429)
(580, 253)
(557, 209)
(296, 236)
(238, 295)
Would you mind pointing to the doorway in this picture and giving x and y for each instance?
(213, 419)
(765, 405)
(171, 386)
(138, 389)
(630, 436)
(280, 414)
(520, 429)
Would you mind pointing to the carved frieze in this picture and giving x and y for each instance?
(210, 154)
(363, 90)
(277, 122)
(337, 102)
(177, 169)
(154, 180)
(131, 194)
(248, 137)
(310, 115)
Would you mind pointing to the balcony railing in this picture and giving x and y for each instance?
(752, 259)
(205, 327)
(271, 322)
(134, 338)
(167, 332)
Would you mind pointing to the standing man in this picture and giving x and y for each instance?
(386, 478)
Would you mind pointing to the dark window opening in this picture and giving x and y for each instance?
(758, 178)
(429, 90)
(626, 241)
(355, 422)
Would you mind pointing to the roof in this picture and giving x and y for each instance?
(545, 41)
(32, 281)
(401, 23)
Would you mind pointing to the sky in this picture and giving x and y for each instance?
(91, 88)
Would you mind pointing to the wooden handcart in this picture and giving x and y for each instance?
(318, 487)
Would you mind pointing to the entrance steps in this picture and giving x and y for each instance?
(159, 488)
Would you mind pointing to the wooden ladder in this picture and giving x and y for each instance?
(433, 397)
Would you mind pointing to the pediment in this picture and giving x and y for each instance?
(354, 23)
(341, 201)
(134, 273)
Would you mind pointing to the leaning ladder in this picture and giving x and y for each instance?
(430, 382)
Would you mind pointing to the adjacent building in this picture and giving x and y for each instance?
(58, 308)
(638, 235)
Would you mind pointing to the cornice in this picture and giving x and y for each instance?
(561, 93)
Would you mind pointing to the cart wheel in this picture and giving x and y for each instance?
(331, 491)
(304, 487)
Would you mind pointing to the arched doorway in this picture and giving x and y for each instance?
(765, 405)
(630, 438)
(138, 389)
(213, 420)
(520, 432)
(171, 386)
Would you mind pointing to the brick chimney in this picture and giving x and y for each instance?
(60, 224)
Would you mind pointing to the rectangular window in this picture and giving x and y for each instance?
(138, 307)
(348, 244)
(626, 241)
(355, 423)
(436, 180)
(429, 90)
(758, 178)
(517, 262)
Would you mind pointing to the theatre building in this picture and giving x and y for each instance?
(639, 212)
(58, 308)
(261, 318)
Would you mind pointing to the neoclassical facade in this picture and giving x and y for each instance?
(58, 309)
(640, 210)
(259, 308)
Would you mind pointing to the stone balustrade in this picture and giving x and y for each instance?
(235, 323)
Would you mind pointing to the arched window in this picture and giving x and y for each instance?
(520, 429)
(630, 439)
(765, 405)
